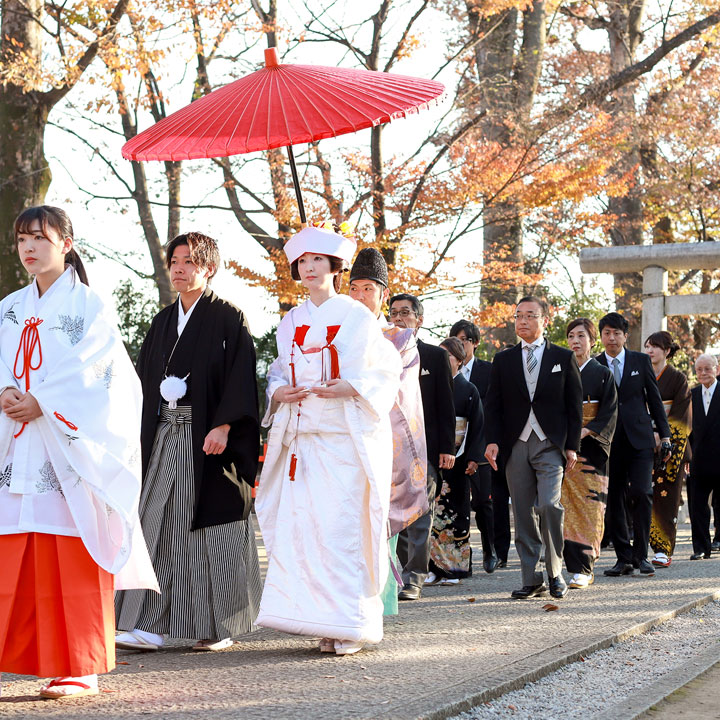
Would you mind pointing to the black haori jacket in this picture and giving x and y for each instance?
(217, 350)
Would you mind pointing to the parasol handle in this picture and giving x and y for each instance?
(296, 183)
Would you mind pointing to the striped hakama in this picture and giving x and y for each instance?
(209, 578)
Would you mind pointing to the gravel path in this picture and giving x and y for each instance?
(604, 678)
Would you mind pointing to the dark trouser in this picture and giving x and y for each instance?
(501, 512)
(630, 496)
(699, 488)
(716, 514)
(482, 505)
(413, 548)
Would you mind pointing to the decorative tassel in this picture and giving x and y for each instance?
(293, 466)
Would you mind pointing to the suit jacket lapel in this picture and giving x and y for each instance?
(547, 360)
(626, 368)
(714, 404)
(517, 370)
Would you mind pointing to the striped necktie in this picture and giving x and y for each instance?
(531, 359)
(616, 371)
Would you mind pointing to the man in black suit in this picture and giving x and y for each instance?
(704, 439)
(534, 417)
(477, 372)
(630, 490)
(436, 389)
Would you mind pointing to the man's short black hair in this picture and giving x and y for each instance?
(417, 306)
(615, 321)
(471, 330)
(544, 307)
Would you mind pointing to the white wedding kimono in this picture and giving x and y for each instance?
(326, 531)
(75, 470)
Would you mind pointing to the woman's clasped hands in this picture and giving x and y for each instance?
(19, 407)
(331, 389)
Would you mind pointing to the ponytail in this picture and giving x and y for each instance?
(73, 260)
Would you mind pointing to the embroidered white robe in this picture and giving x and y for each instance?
(326, 531)
(75, 470)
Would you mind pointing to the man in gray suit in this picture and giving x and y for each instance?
(534, 417)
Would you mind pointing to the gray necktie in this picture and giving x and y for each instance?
(616, 371)
(531, 359)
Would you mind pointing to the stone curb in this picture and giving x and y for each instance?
(621, 711)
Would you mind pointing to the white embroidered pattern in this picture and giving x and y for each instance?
(104, 372)
(6, 476)
(72, 327)
(10, 314)
(49, 480)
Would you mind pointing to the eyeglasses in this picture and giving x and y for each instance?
(401, 313)
(526, 316)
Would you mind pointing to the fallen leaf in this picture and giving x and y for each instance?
(366, 677)
(549, 607)
(328, 676)
(105, 690)
(512, 707)
(122, 662)
(471, 599)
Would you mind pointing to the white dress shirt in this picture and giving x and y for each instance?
(532, 423)
(621, 359)
(707, 393)
(466, 369)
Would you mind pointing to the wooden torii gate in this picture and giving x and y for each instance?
(654, 261)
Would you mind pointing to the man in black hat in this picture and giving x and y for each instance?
(408, 499)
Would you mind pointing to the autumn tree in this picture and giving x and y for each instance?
(45, 48)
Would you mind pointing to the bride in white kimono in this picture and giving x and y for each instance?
(324, 492)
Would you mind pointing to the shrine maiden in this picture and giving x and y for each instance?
(70, 472)
(324, 491)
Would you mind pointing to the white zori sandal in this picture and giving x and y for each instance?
(347, 647)
(326, 645)
(213, 645)
(135, 640)
(67, 687)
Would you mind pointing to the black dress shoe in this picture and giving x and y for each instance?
(645, 567)
(528, 591)
(620, 568)
(490, 562)
(501, 564)
(715, 547)
(558, 587)
(700, 556)
(409, 592)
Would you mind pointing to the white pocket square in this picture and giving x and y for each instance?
(424, 371)
(556, 368)
(634, 372)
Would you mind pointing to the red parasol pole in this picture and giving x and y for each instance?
(296, 183)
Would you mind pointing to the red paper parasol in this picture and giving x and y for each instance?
(279, 106)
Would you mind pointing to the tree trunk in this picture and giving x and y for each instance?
(24, 172)
(626, 211)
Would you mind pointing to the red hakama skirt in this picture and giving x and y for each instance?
(56, 608)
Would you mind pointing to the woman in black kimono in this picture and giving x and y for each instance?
(450, 552)
(668, 476)
(584, 492)
(200, 441)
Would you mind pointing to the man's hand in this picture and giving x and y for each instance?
(570, 459)
(584, 433)
(657, 440)
(216, 440)
(666, 445)
(290, 394)
(491, 453)
(472, 467)
(335, 389)
(9, 397)
(446, 461)
(24, 410)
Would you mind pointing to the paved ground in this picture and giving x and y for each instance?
(698, 700)
(456, 647)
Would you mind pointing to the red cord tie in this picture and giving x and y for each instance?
(298, 339)
(72, 426)
(29, 344)
(332, 331)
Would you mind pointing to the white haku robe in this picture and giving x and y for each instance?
(326, 531)
(75, 470)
